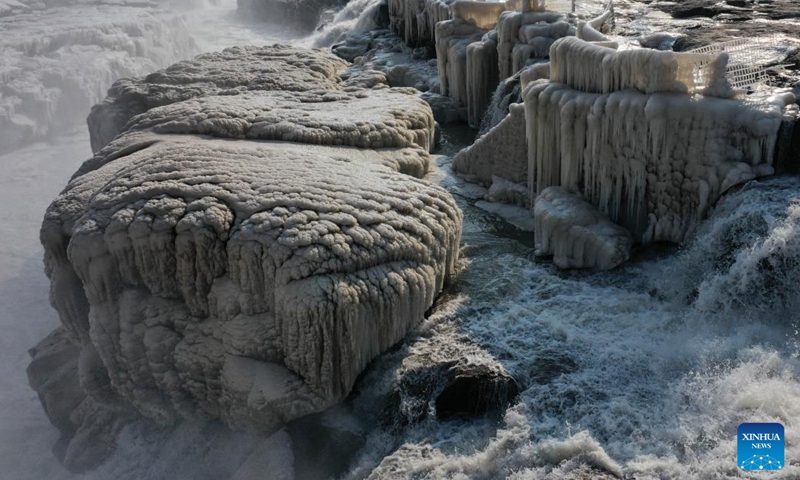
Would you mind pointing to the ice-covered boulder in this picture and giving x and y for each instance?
(384, 118)
(229, 72)
(243, 257)
(248, 281)
(576, 234)
(449, 376)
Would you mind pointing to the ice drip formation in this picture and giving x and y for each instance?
(243, 250)
(651, 139)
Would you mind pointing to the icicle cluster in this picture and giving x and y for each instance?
(597, 69)
(525, 35)
(452, 39)
(654, 163)
(415, 20)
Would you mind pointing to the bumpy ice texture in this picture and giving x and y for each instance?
(576, 234)
(232, 71)
(206, 269)
(501, 152)
(240, 280)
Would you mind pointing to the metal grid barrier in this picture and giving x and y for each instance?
(748, 58)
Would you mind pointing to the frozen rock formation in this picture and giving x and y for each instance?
(654, 163)
(576, 234)
(232, 71)
(385, 52)
(593, 68)
(479, 44)
(384, 118)
(243, 257)
(525, 35)
(508, 192)
(501, 152)
(452, 39)
(415, 20)
(246, 281)
(56, 60)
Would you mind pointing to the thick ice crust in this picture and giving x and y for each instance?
(249, 281)
(576, 234)
(242, 255)
(236, 69)
(383, 118)
(597, 69)
(501, 152)
(653, 163)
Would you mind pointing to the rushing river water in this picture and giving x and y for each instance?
(645, 371)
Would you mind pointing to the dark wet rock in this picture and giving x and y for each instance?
(53, 374)
(449, 376)
(722, 21)
(772, 9)
(88, 428)
(326, 441)
(723, 32)
(475, 391)
(550, 365)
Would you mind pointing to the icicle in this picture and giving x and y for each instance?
(653, 162)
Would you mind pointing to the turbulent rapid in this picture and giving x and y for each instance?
(646, 371)
(642, 372)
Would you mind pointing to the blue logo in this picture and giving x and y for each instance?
(760, 446)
